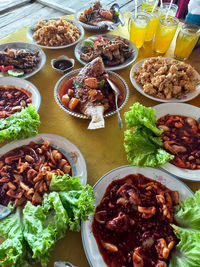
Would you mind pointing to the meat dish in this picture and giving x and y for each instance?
(89, 93)
(13, 100)
(22, 59)
(181, 137)
(113, 51)
(26, 172)
(166, 79)
(96, 13)
(132, 223)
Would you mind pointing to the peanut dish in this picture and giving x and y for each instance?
(166, 79)
(26, 172)
(132, 223)
(56, 32)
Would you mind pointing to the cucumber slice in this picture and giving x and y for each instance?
(16, 73)
(87, 43)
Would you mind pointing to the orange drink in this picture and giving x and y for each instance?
(186, 40)
(153, 23)
(165, 33)
(149, 3)
(172, 12)
(138, 28)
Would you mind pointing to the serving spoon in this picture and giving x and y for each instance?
(116, 8)
(117, 93)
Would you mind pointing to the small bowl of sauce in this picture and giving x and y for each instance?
(62, 64)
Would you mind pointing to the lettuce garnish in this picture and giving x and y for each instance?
(187, 215)
(31, 232)
(20, 125)
(143, 142)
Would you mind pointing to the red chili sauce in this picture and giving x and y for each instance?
(181, 137)
(132, 222)
(26, 172)
(83, 95)
(13, 100)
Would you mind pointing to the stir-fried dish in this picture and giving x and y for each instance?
(181, 137)
(166, 79)
(113, 51)
(89, 92)
(26, 172)
(132, 223)
(21, 59)
(97, 13)
(13, 100)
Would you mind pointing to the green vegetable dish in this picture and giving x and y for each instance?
(143, 142)
(31, 232)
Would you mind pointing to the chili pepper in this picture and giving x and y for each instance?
(6, 68)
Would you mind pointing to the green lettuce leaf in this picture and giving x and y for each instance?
(187, 252)
(187, 214)
(143, 142)
(20, 125)
(13, 249)
(65, 183)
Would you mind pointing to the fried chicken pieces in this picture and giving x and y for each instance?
(166, 79)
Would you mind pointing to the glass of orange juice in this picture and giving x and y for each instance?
(153, 23)
(149, 3)
(165, 33)
(172, 11)
(138, 27)
(186, 40)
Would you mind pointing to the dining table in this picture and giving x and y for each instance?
(102, 149)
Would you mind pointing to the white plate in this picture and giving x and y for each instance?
(127, 62)
(71, 152)
(139, 88)
(20, 83)
(89, 243)
(30, 33)
(31, 47)
(184, 110)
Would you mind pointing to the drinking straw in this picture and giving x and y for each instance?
(161, 4)
(154, 6)
(135, 8)
(168, 10)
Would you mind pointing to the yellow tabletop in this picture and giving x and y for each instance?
(103, 149)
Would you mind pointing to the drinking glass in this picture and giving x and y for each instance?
(153, 23)
(138, 27)
(186, 40)
(165, 33)
(172, 12)
(149, 3)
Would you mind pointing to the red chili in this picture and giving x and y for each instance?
(6, 68)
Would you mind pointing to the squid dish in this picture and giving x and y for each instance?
(90, 94)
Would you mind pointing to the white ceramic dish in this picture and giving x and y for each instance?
(71, 152)
(20, 83)
(114, 76)
(89, 243)
(139, 87)
(184, 110)
(31, 47)
(30, 33)
(127, 62)
(103, 27)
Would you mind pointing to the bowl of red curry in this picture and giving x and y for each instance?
(78, 94)
(181, 137)
(132, 220)
(15, 94)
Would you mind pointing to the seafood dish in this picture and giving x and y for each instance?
(114, 51)
(96, 13)
(13, 100)
(20, 59)
(56, 32)
(165, 79)
(89, 93)
(181, 138)
(132, 223)
(26, 172)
